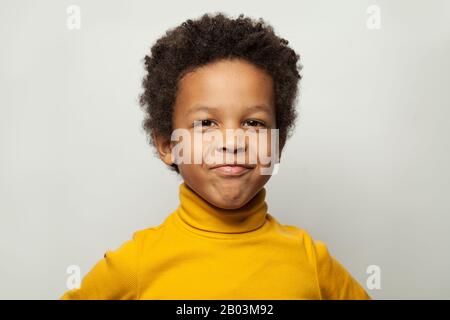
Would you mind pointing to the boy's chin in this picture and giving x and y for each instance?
(229, 198)
(229, 204)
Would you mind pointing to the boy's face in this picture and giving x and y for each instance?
(225, 95)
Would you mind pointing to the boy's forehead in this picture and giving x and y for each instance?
(226, 83)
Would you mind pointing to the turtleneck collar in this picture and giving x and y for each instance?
(198, 214)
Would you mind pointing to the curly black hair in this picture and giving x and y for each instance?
(210, 38)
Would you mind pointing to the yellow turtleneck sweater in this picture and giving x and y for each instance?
(203, 252)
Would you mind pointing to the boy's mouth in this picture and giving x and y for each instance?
(230, 170)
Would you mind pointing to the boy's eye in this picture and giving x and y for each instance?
(203, 123)
(254, 123)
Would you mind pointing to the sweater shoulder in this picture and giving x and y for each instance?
(148, 234)
(291, 230)
(299, 235)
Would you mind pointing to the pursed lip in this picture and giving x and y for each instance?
(231, 169)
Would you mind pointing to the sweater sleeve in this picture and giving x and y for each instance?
(335, 281)
(115, 277)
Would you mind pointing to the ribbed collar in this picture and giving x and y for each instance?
(195, 212)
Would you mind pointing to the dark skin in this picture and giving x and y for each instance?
(230, 90)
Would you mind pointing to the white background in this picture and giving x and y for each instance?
(367, 170)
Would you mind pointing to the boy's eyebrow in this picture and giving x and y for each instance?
(200, 108)
(250, 109)
(260, 108)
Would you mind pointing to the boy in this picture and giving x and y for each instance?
(204, 78)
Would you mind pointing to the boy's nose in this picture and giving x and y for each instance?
(229, 147)
(232, 143)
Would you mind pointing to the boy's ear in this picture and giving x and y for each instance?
(164, 147)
